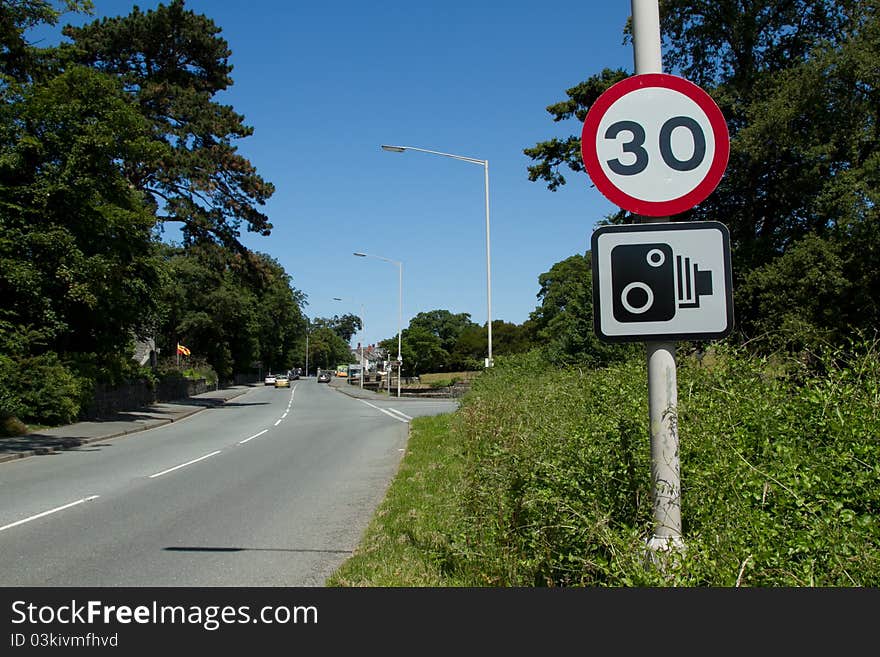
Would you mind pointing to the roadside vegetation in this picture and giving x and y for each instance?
(543, 478)
(543, 475)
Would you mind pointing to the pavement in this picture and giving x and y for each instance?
(70, 436)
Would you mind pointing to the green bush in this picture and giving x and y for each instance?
(779, 474)
(40, 389)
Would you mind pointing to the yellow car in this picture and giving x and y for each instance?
(281, 381)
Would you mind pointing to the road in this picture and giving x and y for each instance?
(274, 488)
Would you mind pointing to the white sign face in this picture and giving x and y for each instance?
(662, 282)
(655, 144)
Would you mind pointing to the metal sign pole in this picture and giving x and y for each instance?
(662, 376)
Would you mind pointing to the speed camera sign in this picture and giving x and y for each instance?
(662, 281)
(655, 144)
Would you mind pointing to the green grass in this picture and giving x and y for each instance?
(407, 541)
(447, 377)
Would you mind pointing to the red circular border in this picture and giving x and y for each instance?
(655, 208)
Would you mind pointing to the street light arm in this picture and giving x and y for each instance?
(370, 255)
(401, 149)
(485, 165)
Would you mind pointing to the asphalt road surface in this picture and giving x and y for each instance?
(274, 488)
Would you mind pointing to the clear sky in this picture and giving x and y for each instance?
(324, 84)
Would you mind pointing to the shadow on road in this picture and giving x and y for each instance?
(247, 549)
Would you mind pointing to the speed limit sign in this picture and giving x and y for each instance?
(655, 144)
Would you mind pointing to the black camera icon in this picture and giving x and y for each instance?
(649, 283)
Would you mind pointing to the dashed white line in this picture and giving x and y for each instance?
(399, 419)
(46, 513)
(256, 435)
(277, 423)
(183, 465)
(284, 415)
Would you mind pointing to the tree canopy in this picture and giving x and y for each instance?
(797, 82)
(173, 62)
(103, 141)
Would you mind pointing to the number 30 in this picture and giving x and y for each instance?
(636, 145)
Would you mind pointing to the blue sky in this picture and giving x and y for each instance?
(324, 84)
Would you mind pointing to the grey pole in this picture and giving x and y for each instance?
(485, 165)
(399, 323)
(662, 376)
(307, 347)
(489, 361)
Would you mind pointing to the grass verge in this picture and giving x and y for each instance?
(543, 478)
(406, 542)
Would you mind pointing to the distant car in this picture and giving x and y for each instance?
(324, 377)
(293, 375)
(269, 380)
(281, 381)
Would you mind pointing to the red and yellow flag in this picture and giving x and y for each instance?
(182, 350)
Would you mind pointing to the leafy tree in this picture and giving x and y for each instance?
(218, 309)
(422, 351)
(173, 62)
(443, 324)
(797, 83)
(327, 349)
(734, 49)
(563, 322)
(77, 256)
(471, 348)
(18, 58)
(345, 327)
(509, 338)
(555, 153)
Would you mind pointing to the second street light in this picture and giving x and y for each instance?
(485, 165)
(308, 328)
(399, 309)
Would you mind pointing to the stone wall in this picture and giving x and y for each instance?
(109, 400)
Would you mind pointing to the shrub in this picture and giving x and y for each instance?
(778, 470)
(40, 389)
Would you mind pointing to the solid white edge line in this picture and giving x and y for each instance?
(394, 410)
(183, 465)
(46, 513)
(256, 435)
(383, 410)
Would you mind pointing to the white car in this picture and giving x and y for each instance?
(269, 380)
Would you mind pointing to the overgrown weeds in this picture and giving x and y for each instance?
(543, 477)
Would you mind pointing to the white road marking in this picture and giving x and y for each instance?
(256, 435)
(384, 411)
(183, 465)
(394, 410)
(277, 423)
(289, 403)
(46, 513)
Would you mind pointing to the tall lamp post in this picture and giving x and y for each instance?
(308, 328)
(399, 307)
(361, 342)
(485, 165)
